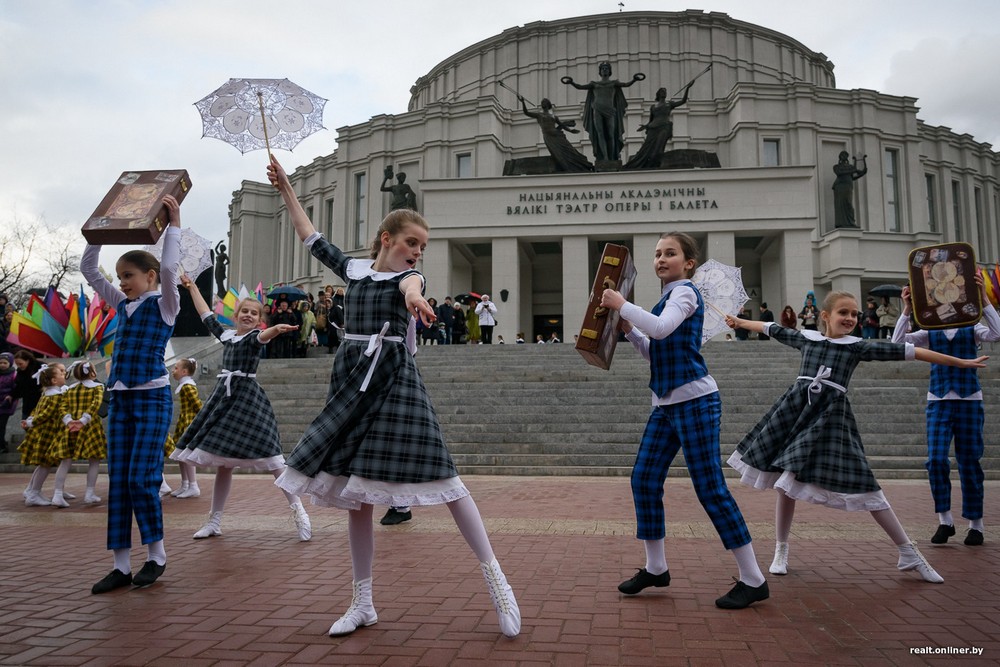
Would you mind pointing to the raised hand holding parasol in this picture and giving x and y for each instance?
(722, 290)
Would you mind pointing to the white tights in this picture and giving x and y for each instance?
(361, 532)
(224, 483)
(784, 510)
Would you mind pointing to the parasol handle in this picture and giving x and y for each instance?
(267, 141)
(716, 309)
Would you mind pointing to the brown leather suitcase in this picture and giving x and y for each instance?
(599, 333)
(133, 212)
(943, 286)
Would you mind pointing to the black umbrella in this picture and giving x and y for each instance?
(287, 292)
(468, 298)
(887, 290)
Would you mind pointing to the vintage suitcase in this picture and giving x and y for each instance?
(943, 286)
(599, 333)
(133, 213)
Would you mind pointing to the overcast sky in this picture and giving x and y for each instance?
(92, 88)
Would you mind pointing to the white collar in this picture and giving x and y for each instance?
(669, 286)
(146, 295)
(187, 379)
(817, 336)
(54, 391)
(230, 334)
(365, 268)
(90, 384)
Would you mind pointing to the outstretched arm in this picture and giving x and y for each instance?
(411, 287)
(568, 80)
(750, 325)
(279, 179)
(930, 356)
(196, 297)
(271, 333)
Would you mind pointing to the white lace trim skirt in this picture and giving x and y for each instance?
(785, 480)
(200, 457)
(350, 492)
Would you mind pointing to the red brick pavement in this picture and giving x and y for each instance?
(257, 596)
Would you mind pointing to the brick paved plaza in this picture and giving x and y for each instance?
(257, 596)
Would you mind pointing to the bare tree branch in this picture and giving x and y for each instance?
(34, 254)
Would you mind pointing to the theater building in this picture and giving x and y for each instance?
(769, 108)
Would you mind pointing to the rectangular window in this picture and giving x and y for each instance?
(892, 190)
(360, 206)
(328, 219)
(956, 208)
(771, 155)
(463, 165)
(932, 223)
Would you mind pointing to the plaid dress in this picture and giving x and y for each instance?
(808, 443)
(382, 444)
(190, 405)
(236, 427)
(47, 441)
(90, 442)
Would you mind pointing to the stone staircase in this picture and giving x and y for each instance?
(541, 410)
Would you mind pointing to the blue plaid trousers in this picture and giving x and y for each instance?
(693, 425)
(963, 421)
(138, 424)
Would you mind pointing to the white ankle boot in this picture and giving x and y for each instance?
(58, 500)
(503, 598)
(780, 563)
(302, 522)
(164, 488)
(910, 558)
(91, 498)
(191, 491)
(212, 528)
(176, 492)
(36, 499)
(360, 613)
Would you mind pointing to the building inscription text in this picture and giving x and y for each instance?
(612, 201)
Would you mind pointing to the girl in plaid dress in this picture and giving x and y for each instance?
(808, 447)
(378, 439)
(236, 427)
(86, 431)
(140, 407)
(46, 437)
(686, 413)
(183, 371)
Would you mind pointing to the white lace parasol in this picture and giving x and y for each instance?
(195, 251)
(721, 288)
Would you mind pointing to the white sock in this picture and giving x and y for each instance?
(123, 560)
(976, 524)
(746, 561)
(656, 557)
(402, 510)
(944, 518)
(157, 553)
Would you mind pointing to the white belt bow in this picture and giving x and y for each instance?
(821, 378)
(374, 349)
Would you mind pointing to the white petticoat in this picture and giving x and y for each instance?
(785, 480)
(200, 457)
(350, 492)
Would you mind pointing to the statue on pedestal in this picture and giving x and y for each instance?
(403, 195)
(604, 114)
(221, 262)
(843, 189)
(659, 130)
(567, 158)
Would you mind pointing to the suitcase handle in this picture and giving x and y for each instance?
(601, 311)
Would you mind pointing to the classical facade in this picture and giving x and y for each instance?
(769, 108)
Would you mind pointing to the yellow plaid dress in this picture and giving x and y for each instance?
(48, 435)
(90, 442)
(190, 406)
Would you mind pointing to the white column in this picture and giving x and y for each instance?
(721, 246)
(796, 251)
(647, 285)
(506, 276)
(577, 281)
(437, 269)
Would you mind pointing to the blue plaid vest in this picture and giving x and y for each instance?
(676, 360)
(962, 381)
(140, 345)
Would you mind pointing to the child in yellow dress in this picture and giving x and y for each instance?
(45, 434)
(86, 432)
(183, 371)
